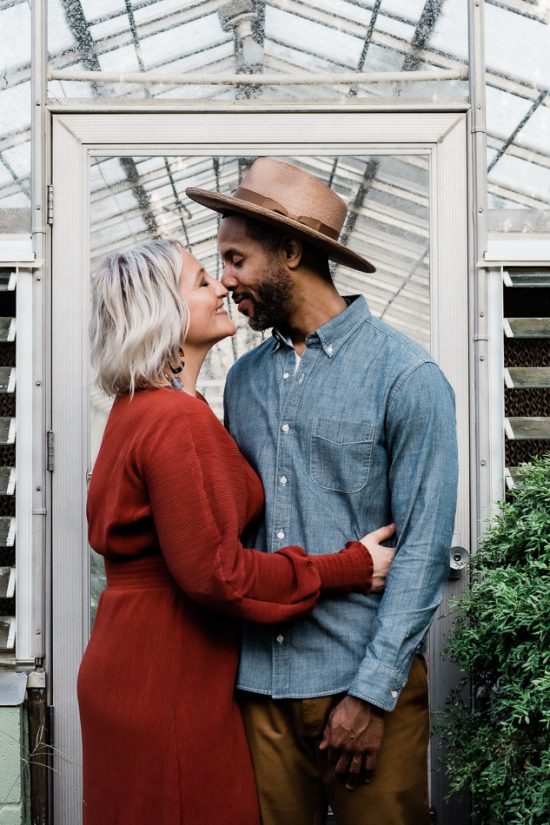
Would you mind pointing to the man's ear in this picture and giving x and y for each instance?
(292, 251)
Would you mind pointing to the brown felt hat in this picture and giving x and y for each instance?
(284, 196)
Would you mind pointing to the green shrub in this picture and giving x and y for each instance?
(499, 744)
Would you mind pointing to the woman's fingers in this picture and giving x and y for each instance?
(376, 537)
(383, 533)
(382, 557)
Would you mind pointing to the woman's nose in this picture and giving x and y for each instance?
(221, 289)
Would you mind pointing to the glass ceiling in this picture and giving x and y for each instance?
(285, 41)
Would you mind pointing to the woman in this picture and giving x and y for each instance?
(169, 497)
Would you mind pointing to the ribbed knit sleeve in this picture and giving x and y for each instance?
(197, 526)
(338, 571)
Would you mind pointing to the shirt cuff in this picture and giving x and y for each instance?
(350, 569)
(379, 684)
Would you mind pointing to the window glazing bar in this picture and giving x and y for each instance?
(314, 79)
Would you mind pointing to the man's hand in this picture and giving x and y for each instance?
(352, 737)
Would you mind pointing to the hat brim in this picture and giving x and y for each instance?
(227, 203)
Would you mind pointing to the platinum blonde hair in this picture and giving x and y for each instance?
(139, 317)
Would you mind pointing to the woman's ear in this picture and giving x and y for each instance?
(292, 251)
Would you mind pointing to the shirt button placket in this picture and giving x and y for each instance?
(281, 644)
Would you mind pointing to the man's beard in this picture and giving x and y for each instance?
(270, 309)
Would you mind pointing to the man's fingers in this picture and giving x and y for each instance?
(333, 755)
(370, 762)
(341, 767)
(354, 771)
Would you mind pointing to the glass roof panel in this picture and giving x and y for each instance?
(299, 38)
(15, 115)
(272, 37)
(518, 115)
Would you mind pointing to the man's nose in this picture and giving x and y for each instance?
(228, 280)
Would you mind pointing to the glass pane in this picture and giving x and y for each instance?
(518, 116)
(15, 117)
(138, 198)
(258, 37)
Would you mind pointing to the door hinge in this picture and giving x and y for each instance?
(49, 451)
(50, 204)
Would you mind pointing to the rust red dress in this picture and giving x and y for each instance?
(170, 494)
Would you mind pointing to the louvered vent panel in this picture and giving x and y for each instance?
(8, 383)
(526, 366)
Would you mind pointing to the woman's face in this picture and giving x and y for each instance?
(209, 321)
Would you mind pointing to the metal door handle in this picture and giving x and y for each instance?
(458, 562)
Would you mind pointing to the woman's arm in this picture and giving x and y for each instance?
(197, 527)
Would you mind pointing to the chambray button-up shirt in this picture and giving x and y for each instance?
(362, 433)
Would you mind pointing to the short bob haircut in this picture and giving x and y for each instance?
(139, 317)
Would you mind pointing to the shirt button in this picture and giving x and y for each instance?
(283, 480)
(285, 428)
(280, 639)
(330, 350)
(286, 375)
(300, 379)
(281, 534)
(394, 694)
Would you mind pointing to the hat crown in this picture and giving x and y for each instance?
(300, 194)
(291, 200)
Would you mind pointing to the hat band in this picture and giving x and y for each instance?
(274, 206)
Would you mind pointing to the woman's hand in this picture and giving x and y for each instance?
(382, 557)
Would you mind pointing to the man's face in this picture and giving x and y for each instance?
(260, 283)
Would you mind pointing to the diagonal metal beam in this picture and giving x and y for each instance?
(22, 183)
(135, 37)
(76, 20)
(422, 33)
(141, 195)
(368, 40)
(417, 264)
(369, 175)
(368, 36)
(540, 99)
(80, 29)
(182, 209)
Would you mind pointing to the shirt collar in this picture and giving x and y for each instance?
(331, 335)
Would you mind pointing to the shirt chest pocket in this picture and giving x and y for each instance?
(340, 454)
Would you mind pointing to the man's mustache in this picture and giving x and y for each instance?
(237, 297)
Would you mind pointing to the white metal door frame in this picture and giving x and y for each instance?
(75, 136)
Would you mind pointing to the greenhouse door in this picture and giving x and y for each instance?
(119, 178)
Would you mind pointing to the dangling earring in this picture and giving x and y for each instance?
(175, 381)
(178, 369)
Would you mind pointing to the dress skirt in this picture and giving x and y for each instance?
(163, 738)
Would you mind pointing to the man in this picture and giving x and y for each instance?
(351, 426)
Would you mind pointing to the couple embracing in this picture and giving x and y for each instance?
(223, 685)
